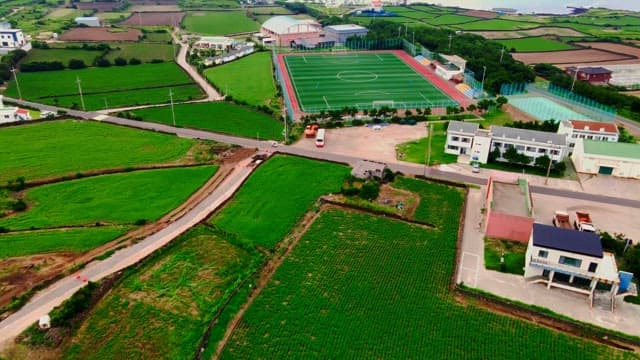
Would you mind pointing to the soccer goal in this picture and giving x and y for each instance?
(376, 104)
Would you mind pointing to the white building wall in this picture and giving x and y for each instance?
(12, 39)
(531, 149)
(458, 143)
(480, 148)
(553, 261)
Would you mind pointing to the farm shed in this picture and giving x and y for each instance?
(91, 21)
(340, 33)
(592, 75)
(607, 158)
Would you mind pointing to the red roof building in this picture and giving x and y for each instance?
(593, 75)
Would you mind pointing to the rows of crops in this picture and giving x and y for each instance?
(358, 286)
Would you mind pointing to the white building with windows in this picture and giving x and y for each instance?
(591, 130)
(216, 43)
(607, 158)
(9, 114)
(468, 139)
(572, 260)
(11, 39)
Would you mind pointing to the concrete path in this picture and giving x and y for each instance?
(473, 273)
(44, 301)
(181, 59)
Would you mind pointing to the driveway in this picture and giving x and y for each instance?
(473, 274)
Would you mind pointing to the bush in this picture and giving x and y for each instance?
(78, 302)
(134, 61)
(19, 205)
(102, 62)
(119, 61)
(76, 64)
(369, 190)
(157, 61)
(42, 66)
(140, 222)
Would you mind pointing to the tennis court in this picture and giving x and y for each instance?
(361, 80)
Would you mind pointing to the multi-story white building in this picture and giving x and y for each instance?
(12, 38)
(572, 260)
(216, 43)
(468, 139)
(591, 130)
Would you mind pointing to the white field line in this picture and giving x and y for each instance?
(378, 56)
(326, 102)
(475, 270)
(304, 58)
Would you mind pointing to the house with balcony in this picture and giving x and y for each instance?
(574, 260)
(590, 130)
(464, 138)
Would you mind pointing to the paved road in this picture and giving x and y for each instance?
(212, 94)
(323, 154)
(55, 294)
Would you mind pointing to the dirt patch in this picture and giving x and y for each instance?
(154, 8)
(517, 114)
(154, 19)
(632, 93)
(483, 14)
(101, 34)
(584, 56)
(619, 48)
(541, 31)
(19, 275)
(98, 6)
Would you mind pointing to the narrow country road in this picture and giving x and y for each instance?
(323, 154)
(181, 59)
(55, 294)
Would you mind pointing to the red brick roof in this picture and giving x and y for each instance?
(594, 126)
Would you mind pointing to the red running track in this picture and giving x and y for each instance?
(444, 85)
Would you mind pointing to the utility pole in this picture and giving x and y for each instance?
(80, 91)
(173, 113)
(427, 159)
(575, 77)
(399, 29)
(106, 106)
(414, 38)
(405, 30)
(484, 72)
(501, 54)
(15, 76)
(450, 39)
(546, 180)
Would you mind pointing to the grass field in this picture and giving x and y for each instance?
(323, 82)
(219, 117)
(62, 55)
(416, 151)
(122, 198)
(358, 286)
(47, 241)
(535, 44)
(219, 23)
(161, 310)
(496, 24)
(276, 196)
(120, 86)
(514, 254)
(249, 79)
(70, 147)
(144, 52)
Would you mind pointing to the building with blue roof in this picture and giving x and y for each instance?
(571, 260)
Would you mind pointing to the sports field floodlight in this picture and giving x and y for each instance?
(575, 76)
(484, 72)
(501, 54)
(450, 39)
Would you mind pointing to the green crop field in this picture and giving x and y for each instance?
(122, 198)
(535, 44)
(248, 79)
(450, 19)
(161, 309)
(119, 86)
(219, 117)
(68, 240)
(62, 55)
(358, 286)
(144, 52)
(332, 82)
(276, 196)
(219, 23)
(70, 147)
(497, 24)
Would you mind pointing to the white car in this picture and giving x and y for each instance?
(377, 127)
(475, 168)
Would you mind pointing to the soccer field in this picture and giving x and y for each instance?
(365, 81)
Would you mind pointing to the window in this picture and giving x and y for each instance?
(590, 137)
(531, 149)
(593, 267)
(565, 260)
(465, 140)
(574, 136)
(497, 144)
(452, 147)
(520, 147)
(455, 138)
(543, 254)
(554, 152)
(542, 151)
